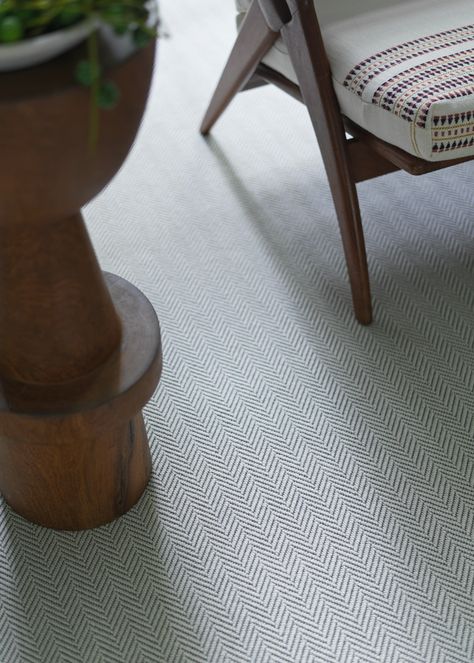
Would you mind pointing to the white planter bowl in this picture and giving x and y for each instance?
(45, 47)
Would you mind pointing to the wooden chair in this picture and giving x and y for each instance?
(364, 155)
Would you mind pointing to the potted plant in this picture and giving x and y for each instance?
(33, 31)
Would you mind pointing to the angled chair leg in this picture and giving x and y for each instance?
(253, 41)
(303, 40)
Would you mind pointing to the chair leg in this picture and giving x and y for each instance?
(253, 42)
(305, 47)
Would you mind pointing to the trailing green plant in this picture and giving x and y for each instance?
(25, 19)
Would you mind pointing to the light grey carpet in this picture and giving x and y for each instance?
(313, 491)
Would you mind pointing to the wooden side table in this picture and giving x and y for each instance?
(80, 351)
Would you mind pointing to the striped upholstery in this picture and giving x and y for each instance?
(404, 71)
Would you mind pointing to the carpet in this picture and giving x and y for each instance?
(312, 497)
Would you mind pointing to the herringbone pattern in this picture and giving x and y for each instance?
(313, 490)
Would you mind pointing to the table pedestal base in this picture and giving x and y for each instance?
(93, 478)
(75, 455)
(80, 354)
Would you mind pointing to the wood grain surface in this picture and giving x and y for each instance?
(80, 354)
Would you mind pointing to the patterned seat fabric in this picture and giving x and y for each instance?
(404, 71)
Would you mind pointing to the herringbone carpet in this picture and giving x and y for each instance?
(313, 490)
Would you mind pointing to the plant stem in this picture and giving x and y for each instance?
(94, 112)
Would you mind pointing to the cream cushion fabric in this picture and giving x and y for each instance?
(403, 70)
(330, 11)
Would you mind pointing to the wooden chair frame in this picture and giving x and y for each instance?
(347, 160)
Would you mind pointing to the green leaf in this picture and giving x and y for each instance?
(11, 29)
(87, 72)
(117, 16)
(70, 15)
(141, 37)
(108, 95)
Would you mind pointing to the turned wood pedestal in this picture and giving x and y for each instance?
(80, 351)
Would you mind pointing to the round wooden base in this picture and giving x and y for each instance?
(83, 482)
(75, 455)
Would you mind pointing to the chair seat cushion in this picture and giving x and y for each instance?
(405, 73)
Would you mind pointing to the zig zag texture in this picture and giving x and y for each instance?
(312, 499)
